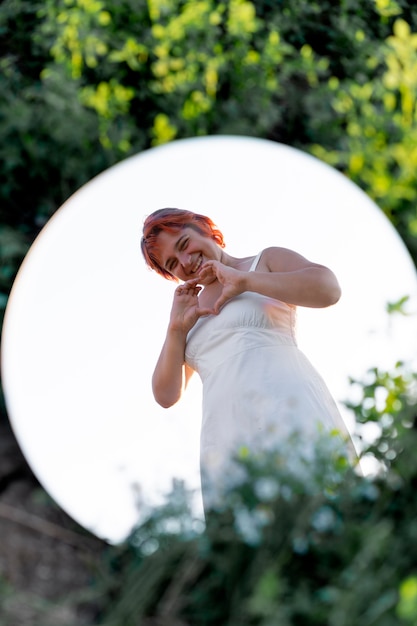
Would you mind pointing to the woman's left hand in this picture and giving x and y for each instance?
(231, 280)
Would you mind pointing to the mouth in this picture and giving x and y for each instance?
(197, 265)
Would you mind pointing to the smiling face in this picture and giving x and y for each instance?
(183, 252)
(175, 222)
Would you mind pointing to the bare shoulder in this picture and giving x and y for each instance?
(278, 259)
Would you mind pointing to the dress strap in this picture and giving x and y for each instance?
(255, 262)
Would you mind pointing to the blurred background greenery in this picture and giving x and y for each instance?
(87, 83)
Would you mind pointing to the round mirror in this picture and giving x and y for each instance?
(86, 319)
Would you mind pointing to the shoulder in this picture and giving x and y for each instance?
(279, 259)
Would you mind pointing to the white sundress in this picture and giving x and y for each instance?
(258, 386)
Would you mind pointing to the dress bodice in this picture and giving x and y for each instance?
(248, 321)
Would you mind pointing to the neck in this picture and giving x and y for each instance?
(235, 262)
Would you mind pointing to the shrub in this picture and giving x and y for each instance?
(299, 539)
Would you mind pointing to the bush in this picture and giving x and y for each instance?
(324, 546)
(298, 539)
(374, 130)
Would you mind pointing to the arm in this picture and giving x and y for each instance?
(171, 373)
(282, 274)
(289, 277)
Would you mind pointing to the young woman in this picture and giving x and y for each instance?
(233, 321)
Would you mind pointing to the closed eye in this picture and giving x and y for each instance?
(181, 245)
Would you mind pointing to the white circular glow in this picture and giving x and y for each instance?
(86, 319)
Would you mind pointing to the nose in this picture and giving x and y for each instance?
(185, 260)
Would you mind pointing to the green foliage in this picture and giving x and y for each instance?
(387, 400)
(97, 50)
(378, 114)
(48, 141)
(407, 605)
(336, 81)
(298, 540)
(385, 395)
(13, 247)
(170, 70)
(98, 80)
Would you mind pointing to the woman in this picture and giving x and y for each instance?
(233, 321)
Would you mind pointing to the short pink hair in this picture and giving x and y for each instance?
(171, 221)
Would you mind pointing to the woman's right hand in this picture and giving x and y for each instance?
(185, 307)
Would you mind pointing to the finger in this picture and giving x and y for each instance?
(207, 267)
(210, 263)
(206, 274)
(188, 287)
(205, 311)
(190, 283)
(221, 301)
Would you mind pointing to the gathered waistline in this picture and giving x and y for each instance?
(233, 350)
